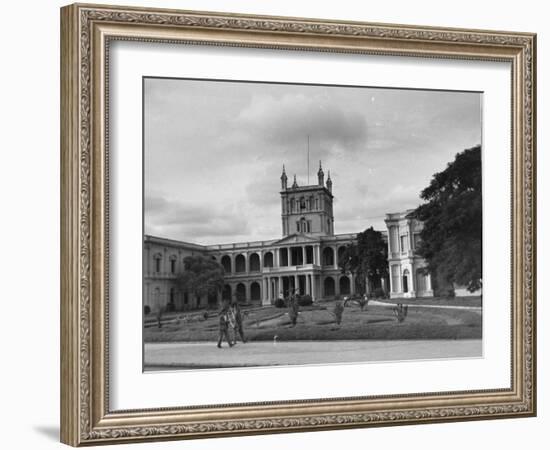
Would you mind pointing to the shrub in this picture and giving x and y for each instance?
(305, 300)
(338, 311)
(293, 315)
(279, 303)
(401, 312)
(146, 310)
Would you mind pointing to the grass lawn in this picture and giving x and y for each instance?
(317, 323)
(448, 301)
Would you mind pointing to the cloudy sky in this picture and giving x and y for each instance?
(214, 150)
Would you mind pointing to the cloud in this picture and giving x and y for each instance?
(287, 120)
(192, 221)
(214, 152)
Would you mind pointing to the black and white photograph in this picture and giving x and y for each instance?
(292, 224)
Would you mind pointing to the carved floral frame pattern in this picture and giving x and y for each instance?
(85, 416)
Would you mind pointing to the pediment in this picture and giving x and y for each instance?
(297, 239)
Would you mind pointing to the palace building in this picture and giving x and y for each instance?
(304, 258)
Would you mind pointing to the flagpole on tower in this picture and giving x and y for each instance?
(308, 159)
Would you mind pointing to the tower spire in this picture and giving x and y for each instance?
(329, 182)
(295, 184)
(321, 175)
(284, 179)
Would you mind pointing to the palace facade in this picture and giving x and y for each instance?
(304, 258)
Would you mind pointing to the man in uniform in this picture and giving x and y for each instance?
(237, 321)
(224, 325)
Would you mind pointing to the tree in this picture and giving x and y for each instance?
(452, 218)
(202, 276)
(366, 259)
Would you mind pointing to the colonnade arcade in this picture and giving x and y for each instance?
(268, 288)
(257, 261)
(254, 275)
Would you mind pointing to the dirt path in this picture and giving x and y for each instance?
(163, 356)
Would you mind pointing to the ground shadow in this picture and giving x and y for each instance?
(50, 431)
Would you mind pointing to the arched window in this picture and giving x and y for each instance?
(406, 280)
(226, 293)
(329, 287)
(255, 292)
(268, 259)
(172, 298)
(240, 291)
(158, 258)
(173, 259)
(254, 262)
(226, 263)
(344, 285)
(341, 251)
(303, 225)
(240, 263)
(328, 256)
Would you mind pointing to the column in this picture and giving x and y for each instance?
(428, 282)
(296, 283)
(337, 285)
(317, 257)
(279, 285)
(335, 249)
(276, 257)
(303, 254)
(247, 291)
(264, 291)
(308, 285)
(246, 262)
(352, 284)
(412, 281)
(313, 288)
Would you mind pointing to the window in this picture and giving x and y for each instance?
(404, 243)
(157, 264)
(298, 226)
(416, 240)
(172, 266)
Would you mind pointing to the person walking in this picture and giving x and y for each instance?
(293, 308)
(224, 325)
(237, 321)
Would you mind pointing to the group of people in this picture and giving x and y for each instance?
(230, 318)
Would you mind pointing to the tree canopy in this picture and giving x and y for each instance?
(451, 240)
(367, 259)
(201, 276)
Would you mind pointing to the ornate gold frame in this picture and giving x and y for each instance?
(86, 31)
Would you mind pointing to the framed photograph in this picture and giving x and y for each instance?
(276, 224)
